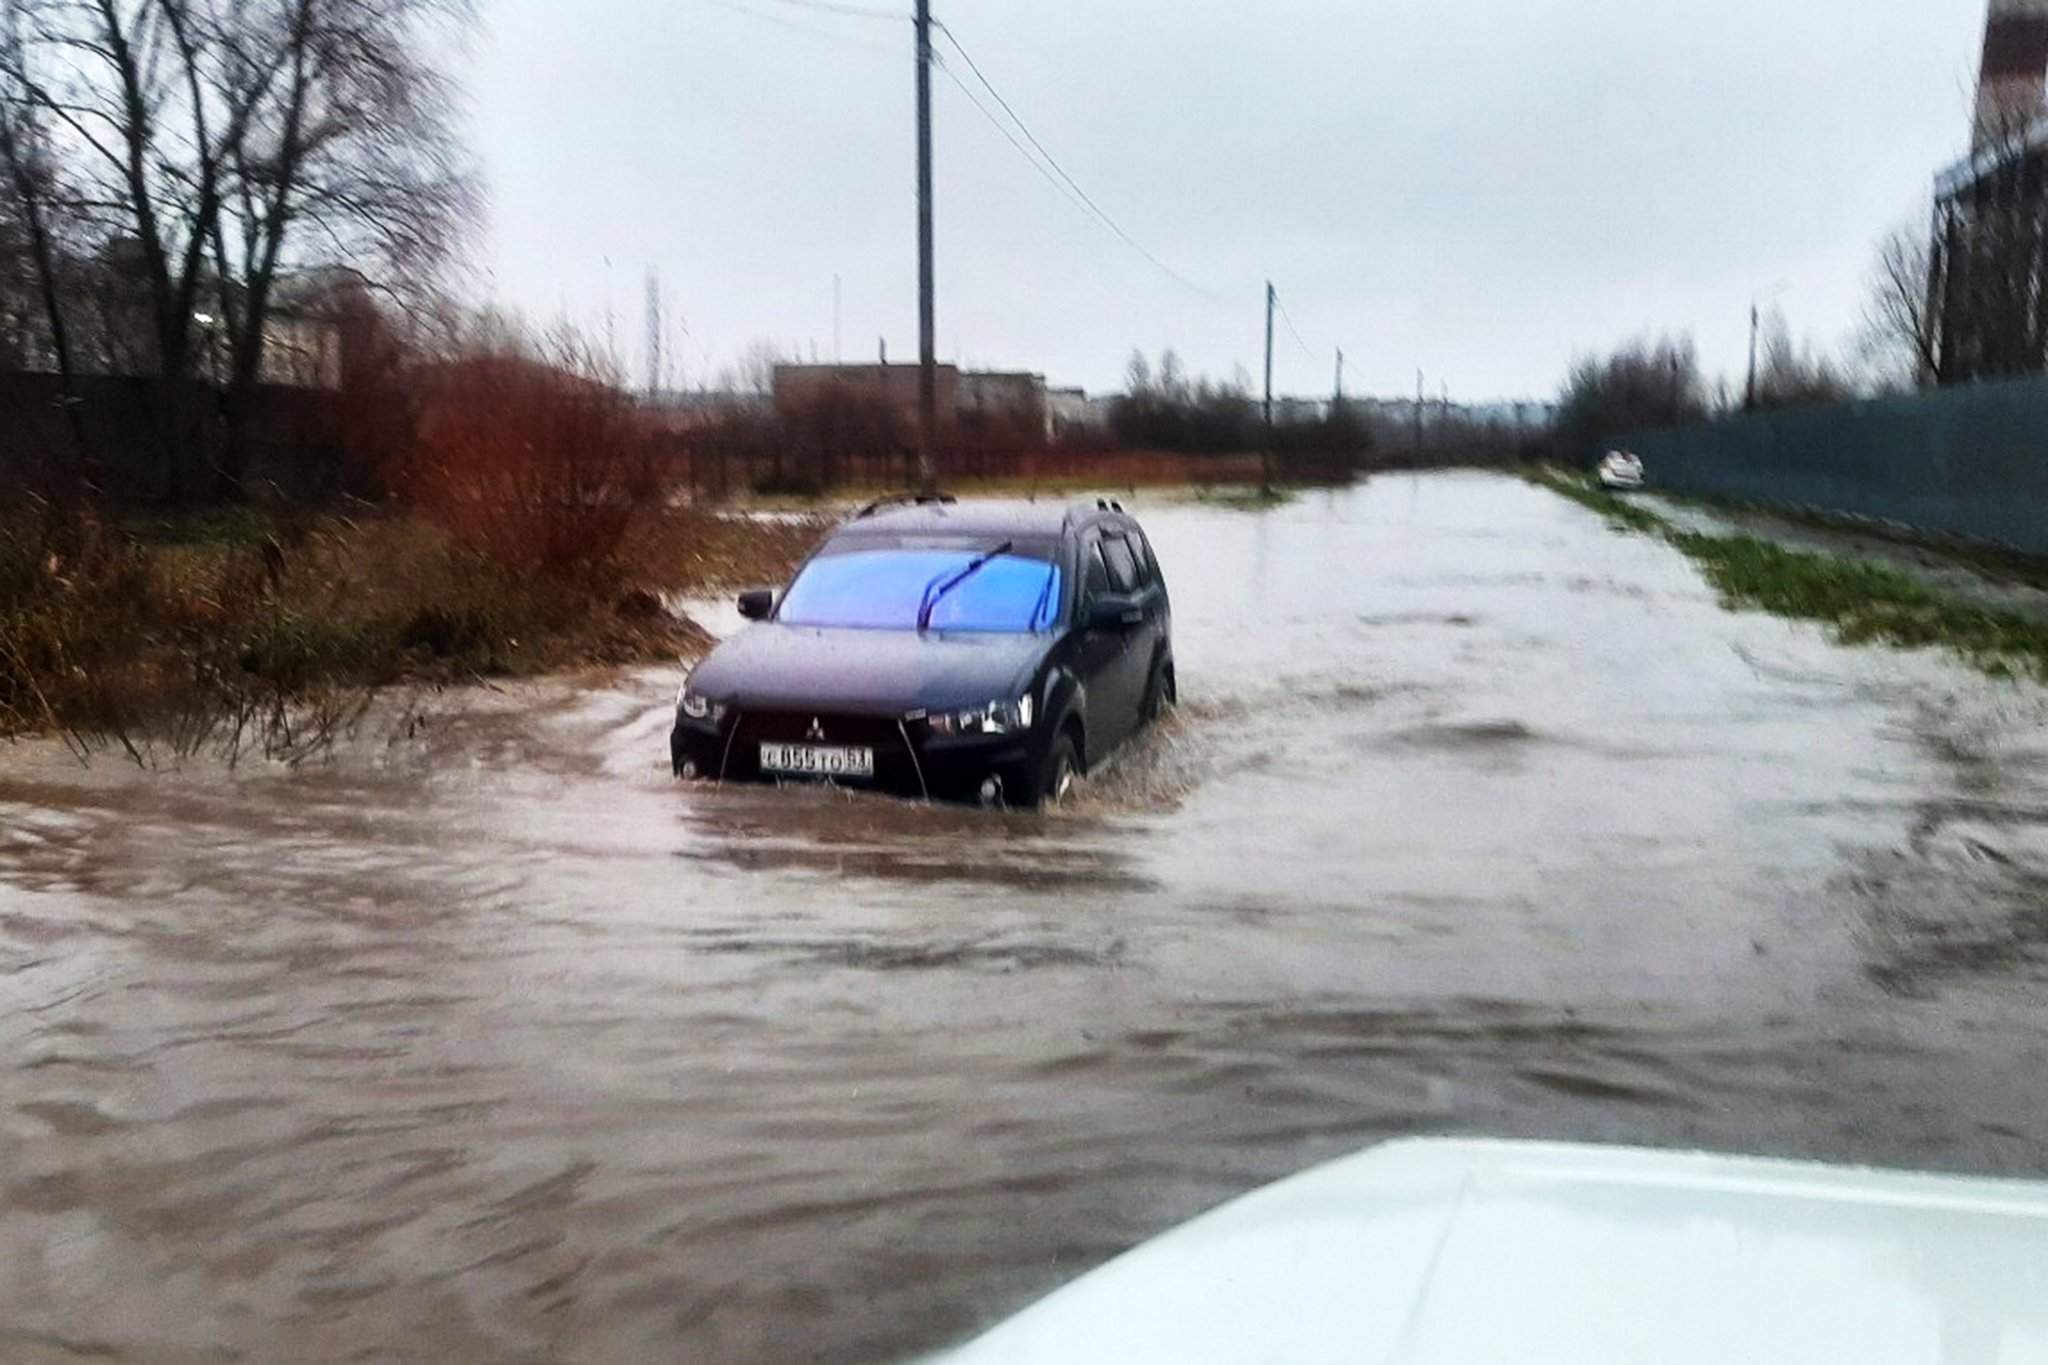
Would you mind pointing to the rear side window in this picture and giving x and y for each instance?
(1148, 568)
(1123, 566)
(1097, 572)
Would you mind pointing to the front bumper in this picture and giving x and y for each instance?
(909, 761)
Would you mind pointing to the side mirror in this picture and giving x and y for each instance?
(757, 605)
(1114, 611)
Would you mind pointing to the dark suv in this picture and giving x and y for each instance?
(987, 651)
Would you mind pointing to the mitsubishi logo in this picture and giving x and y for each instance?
(817, 730)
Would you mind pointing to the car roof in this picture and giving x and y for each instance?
(981, 516)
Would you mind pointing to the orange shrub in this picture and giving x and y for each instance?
(536, 461)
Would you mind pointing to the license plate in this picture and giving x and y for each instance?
(817, 760)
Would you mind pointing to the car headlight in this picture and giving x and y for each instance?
(995, 718)
(694, 707)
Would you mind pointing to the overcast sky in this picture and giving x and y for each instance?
(1480, 190)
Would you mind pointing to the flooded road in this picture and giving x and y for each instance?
(492, 1043)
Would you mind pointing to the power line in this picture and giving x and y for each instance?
(1002, 128)
(790, 24)
(850, 11)
(1086, 200)
(1292, 328)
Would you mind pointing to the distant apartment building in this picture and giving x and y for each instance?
(112, 326)
(1013, 401)
(1987, 288)
(1069, 413)
(797, 387)
(982, 399)
(675, 411)
(1528, 414)
(1295, 412)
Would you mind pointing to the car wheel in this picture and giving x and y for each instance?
(1160, 694)
(1061, 770)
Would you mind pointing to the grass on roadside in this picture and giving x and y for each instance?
(1226, 485)
(248, 631)
(1989, 561)
(1252, 499)
(1859, 601)
(1619, 512)
(1866, 603)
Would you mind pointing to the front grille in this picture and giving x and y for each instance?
(894, 766)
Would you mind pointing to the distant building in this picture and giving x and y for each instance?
(1987, 288)
(964, 397)
(1069, 413)
(679, 410)
(301, 350)
(1512, 414)
(112, 325)
(1013, 401)
(800, 386)
(1294, 412)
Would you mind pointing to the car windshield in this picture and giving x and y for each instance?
(883, 589)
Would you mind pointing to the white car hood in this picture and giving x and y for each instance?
(1475, 1253)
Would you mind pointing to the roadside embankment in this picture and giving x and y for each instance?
(1991, 620)
(271, 630)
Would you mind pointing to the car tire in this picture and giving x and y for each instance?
(1059, 772)
(1161, 695)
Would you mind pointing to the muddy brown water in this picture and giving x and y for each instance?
(492, 1043)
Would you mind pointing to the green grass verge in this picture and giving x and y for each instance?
(2008, 566)
(1860, 602)
(1245, 499)
(1867, 603)
(1619, 512)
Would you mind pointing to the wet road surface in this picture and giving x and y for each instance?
(494, 1044)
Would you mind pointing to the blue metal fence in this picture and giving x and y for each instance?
(1969, 462)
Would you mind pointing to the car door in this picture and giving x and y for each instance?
(1133, 661)
(1158, 624)
(1104, 657)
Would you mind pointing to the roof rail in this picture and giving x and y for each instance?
(905, 500)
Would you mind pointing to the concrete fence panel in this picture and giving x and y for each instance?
(1966, 462)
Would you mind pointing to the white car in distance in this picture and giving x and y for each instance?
(1621, 472)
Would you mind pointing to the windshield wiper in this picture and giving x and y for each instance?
(935, 591)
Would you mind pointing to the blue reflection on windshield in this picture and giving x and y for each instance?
(883, 589)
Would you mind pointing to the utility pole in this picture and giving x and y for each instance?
(654, 332)
(1420, 399)
(927, 312)
(838, 357)
(1266, 454)
(1755, 321)
(1338, 401)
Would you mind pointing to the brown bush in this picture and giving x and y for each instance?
(533, 459)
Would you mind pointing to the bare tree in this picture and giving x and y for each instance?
(1791, 375)
(1137, 374)
(145, 101)
(28, 187)
(349, 161)
(220, 145)
(1644, 385)
(1901, 334)
(754, 372)
(1165, 409)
